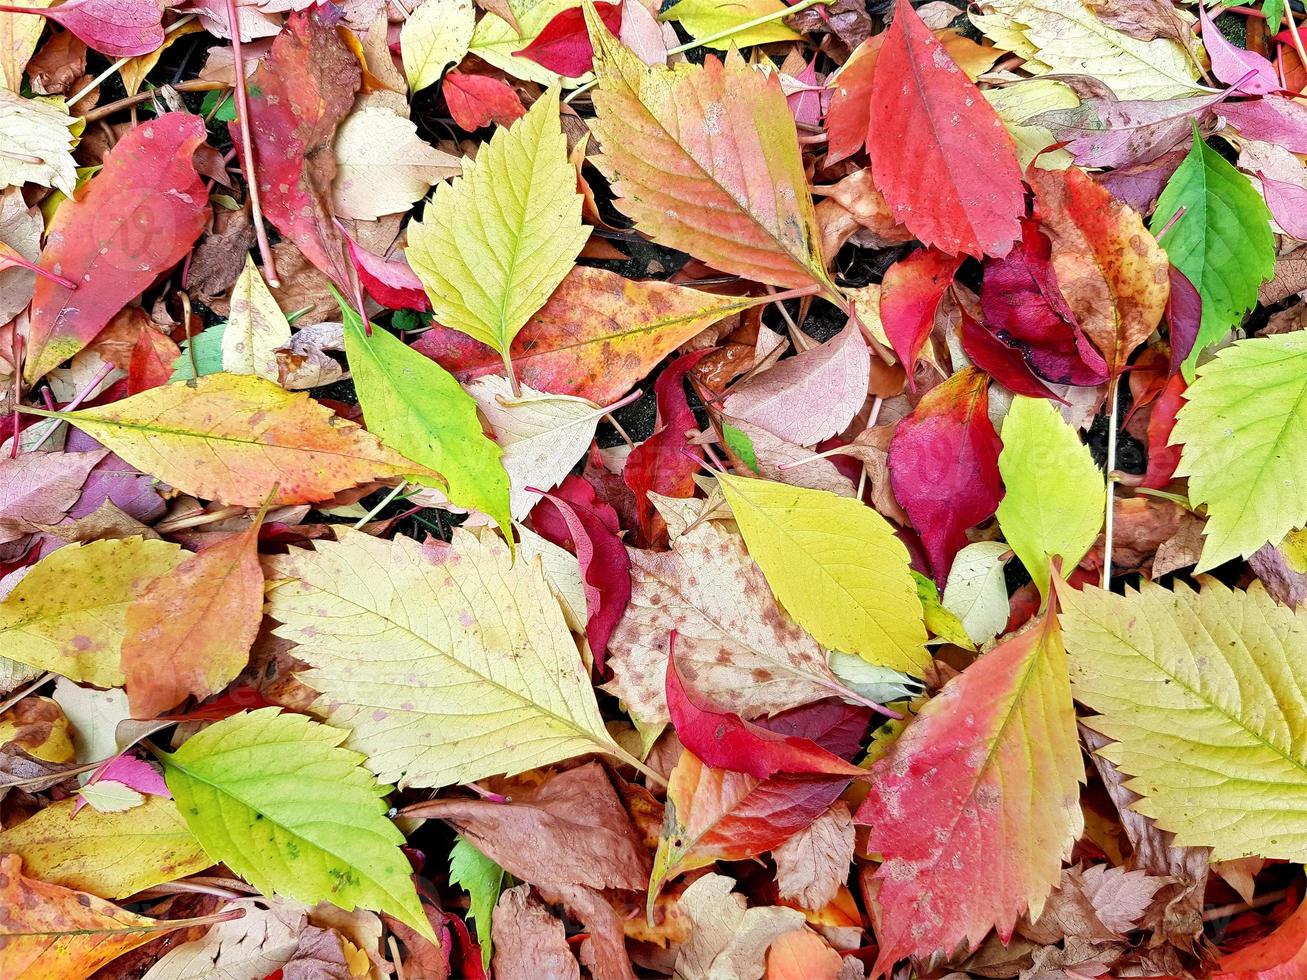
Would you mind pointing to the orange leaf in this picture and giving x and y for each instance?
(802, 955)
(190, 631)
(1280, 956)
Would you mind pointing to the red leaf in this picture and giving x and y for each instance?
(151, 362)
(664, 463)
(1025, 309)
(118, 28)
(301, 92)
(478, 100)
(1184, 314)
(389, 281)
(943, 464)
(135, 219)
(724, 740)
(1163, 458)
(1001, 362)
(939, 153)
(578, 492)
(909, 296)
(1280, 956)
(849, 112)
(563, 45)
(605, 572)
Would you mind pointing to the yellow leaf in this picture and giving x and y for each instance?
(256, 327)
(836, 567)
(134, 72)
(107, 854)
(68, 613)
(39, 727)
(706, 159)
(1204, 695)
(1053, 505)
(383, 166)
(702, 18)
(18, 36)
(435, 36)
(1015, 104)
(36, 141)
(447, 664)
(494, 243)
(233, 438)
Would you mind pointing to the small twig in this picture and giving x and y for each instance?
(194, 85)
(18, 391)
(198, 520)
(23, 692)
(385, 502)
(1234, 908)
(247, 147)
(81, 396)
(1179, 213)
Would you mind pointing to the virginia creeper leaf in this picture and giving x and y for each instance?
(483, 880)
(436, 35)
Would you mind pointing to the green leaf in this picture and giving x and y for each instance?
(207, 347)
(1055, 494)
(220, 106)
(1203, 697)
(1274, 11)
(707, 18)
(417, 408)
(495, 242)
(483, 880)
(939, 620)
(1222, 242)
(741, 445)
(1244, 432)
(836, 567)
(275, 798)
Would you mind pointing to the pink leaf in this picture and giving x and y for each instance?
(1271, 119)
(1184, 313)
(117, 28)
(389, 281)
(131, 772)
(1288, 205)
(1232, 64)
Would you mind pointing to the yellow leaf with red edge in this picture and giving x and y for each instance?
(56, 933)
(978, 802)
(190, 631)
(1114, 275)
(705, 159)
(233, 438)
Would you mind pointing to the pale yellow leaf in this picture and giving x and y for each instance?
(435, 35)
(383, 166)
(495, 40)
(256, 327)
(36, 142)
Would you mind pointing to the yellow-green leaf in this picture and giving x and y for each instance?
(1053, 506)
(836, 567)
(275, 798)
(107, 854)
(233, 438)
(493, 243)
(707, 18)
(1204, 695)
(447, 664)
(1244, 432)
(256, 327)
(68, 613)
(435, 35)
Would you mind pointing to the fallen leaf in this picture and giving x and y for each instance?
(705, 19)
(260, 942)
(811, 865)
(804, 955)
(483, 880)
(563, 45)
(478, 100)
(1246, 70)
(382, 165)
(436, 35)
(256, 327)
(18, 36)
(910, 294)
(729, 938)
(529, 941)
(976, 591)
(39, 488)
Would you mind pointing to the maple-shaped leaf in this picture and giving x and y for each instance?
(1112, 273)
(416, 407)
(1199, 692)
(745, 652)
(1222, 241)
(435, 35)
(943, 465)
(111, 855)
(837, 568)
(235, 438)
(939, 153)
(1244, 432)
(486, 276)
(299, 95)
(68, 613)
(190, 631)
(1054, 500)
(275, 798)
(117, 28)
(986, 777)
(596, 336)
(706, 159)
(136, 218)
(52, 931)
(471, 669)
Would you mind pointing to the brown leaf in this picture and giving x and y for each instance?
(529, 942)
(323, 954)
(729, 939)
(811, 865)
(59, 64)
(1144, 19)
(1101, 903)
(219, 259)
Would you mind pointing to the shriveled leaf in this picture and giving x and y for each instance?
(729, 938)
(596, 336)
(436, 35)
(1054, 500)
(255, 329)
(812, 864)
(1198, 691)
(531, 942)
(487, 277)
(1245, 445)
(417, 407)
(275, 798)
(235, 437)
(501, 686)
(96, 242)
(986, 776)
(112, 855)
(836, 566)
(706, 159)
(68, 613)
(939, 153)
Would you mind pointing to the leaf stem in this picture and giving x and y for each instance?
(512, 374)
(194, 85)
(637, 765)
(1109, 519)
(247, 149)
(384, 503)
